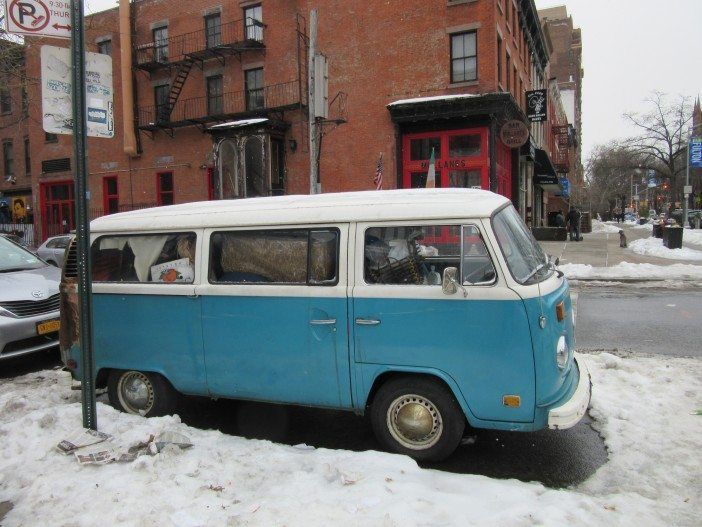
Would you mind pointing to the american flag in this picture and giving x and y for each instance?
(378, 179)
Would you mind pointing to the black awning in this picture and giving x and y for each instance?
(543, 166)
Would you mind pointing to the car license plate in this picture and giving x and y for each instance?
(48, 326)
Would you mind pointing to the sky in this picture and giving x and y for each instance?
(630, 48)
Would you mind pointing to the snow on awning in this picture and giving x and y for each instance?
(434, 98)
(238, 124)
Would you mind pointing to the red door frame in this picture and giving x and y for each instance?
(52, 229)
(106, 196)
(444, 164)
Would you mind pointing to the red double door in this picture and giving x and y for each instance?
(461, 159)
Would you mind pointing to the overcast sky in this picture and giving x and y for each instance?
(630, 48)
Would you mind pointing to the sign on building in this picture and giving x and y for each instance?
(51, 18)
(514, 133)
(695, 149)
(536, 106)
(57, 98)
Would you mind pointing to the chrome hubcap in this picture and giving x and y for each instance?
(136, 394)
(414, 422)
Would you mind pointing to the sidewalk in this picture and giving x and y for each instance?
(602, 250)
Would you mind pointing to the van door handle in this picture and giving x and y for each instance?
(367, 321)
(323, 322)
(192, 296)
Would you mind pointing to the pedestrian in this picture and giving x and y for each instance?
(574, 224)
(560, 219)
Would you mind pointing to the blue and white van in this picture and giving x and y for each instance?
(431, 309)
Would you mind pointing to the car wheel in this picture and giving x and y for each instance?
(142, 393)
(418, 417)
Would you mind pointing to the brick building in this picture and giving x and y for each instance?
(565, 64)
(219, 96)
(16, 181)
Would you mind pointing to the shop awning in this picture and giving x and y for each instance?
(544, 173)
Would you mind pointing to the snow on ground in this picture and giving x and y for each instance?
(693, 236)
(633, 271)
(643, 408)
(655, 247)
(599, 227)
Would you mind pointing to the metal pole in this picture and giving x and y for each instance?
(687, 183)
(82, 223)
(311, 99)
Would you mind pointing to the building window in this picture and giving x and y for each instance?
(110, 195)
(508, 72)
(161, 101)
(27, 159)
(464, 61)
(277, 167)
(164, 188)
(214, 95)
(514, 80)
(254, 89)
(5, 100)
(50, 138)
(8, 158)
(213, 30)
(161, 44)
(253, 23)
(499, 59)
(105, 47)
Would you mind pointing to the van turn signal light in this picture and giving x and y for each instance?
(513, 401)
(560, 311)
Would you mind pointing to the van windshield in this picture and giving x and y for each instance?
(525, 258)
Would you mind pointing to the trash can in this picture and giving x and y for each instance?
(672, 237)
(657, 230)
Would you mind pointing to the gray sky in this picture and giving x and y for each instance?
(630, 48)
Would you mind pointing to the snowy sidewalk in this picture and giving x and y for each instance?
(599, 256)
(643, 407)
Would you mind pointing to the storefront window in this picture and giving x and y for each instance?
(421, 148)
(465, 178)
(464, 145)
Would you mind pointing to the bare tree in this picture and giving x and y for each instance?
(609, 173)
(663, 135)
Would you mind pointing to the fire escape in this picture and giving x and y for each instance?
(178, 54)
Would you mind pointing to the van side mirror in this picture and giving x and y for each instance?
(449, 284)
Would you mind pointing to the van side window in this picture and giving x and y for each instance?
(155, 258)
(418, 255)
(476, 266)
(290, 256)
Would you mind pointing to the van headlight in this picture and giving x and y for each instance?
(561, 352)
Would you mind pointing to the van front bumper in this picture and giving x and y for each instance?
(572, 411)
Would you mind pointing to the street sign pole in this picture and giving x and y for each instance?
(82, 223)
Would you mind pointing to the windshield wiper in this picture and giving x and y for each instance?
(534, 272)
(14, 269)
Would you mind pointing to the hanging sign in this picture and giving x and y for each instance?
(695, 148)
(514, 133)
(536, 106)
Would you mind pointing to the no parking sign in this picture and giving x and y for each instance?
(51, 18)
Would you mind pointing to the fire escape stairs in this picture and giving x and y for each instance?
(179, 82)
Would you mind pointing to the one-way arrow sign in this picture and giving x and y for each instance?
(50, 18)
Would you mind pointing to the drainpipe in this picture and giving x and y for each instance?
(125, 41)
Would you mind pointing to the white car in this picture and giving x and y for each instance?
(53, 249)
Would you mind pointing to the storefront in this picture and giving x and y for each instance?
(57, 208)
(462, 131)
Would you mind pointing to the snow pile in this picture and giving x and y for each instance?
(633, 271)
(599, 227)
(655, 247)
(643, 409)
(693, 236)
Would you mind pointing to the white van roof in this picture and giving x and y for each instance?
(375, 205)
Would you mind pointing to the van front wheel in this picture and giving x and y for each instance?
(418, 417)
(141, 393)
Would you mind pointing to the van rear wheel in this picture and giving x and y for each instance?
(418, 417)
(141, 393)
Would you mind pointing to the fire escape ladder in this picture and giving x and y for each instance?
(178, 82)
